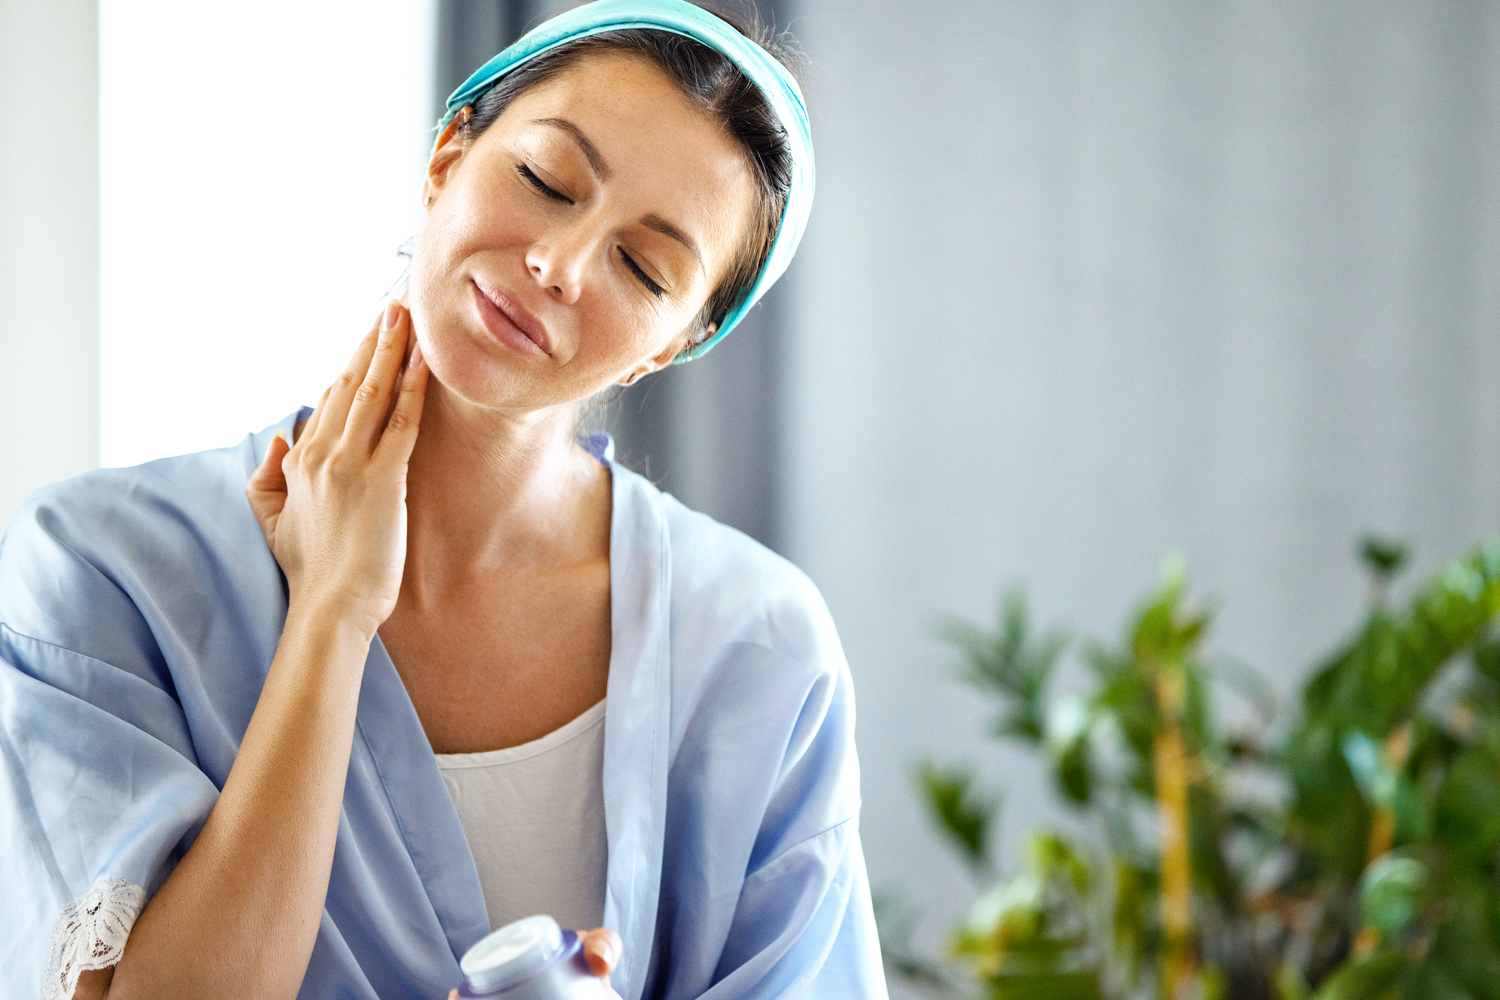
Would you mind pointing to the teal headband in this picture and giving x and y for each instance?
(756, 63)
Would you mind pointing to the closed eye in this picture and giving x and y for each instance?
(541, 185)
(645, 279)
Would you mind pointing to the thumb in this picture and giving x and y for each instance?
(266, 488)
(601, 950)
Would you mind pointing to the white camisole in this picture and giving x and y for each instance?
(534, 817)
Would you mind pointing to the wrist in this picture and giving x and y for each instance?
(333, 615)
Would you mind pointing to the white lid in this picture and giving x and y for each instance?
(512, 953)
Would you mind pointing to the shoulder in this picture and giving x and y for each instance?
(728, 584)
(742, 617)
(103, 547)
(108, 514)
(98, 504)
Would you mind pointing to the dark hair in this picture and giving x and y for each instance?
(713, 85)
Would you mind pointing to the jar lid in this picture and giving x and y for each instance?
(511, 954)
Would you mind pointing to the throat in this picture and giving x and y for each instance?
(504, 663)
(537, 501)
(501, 632)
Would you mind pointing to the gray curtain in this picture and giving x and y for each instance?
(468, 33)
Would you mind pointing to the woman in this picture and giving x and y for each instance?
(276, 749)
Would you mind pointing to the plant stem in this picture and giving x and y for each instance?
(1383, 818)
(1382, 830)
(1171, 766)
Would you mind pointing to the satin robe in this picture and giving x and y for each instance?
(139, 612)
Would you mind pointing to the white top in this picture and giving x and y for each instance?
(534, 818)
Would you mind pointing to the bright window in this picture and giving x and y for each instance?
(260, 165)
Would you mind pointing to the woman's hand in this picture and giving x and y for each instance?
(601, 949)
(333, 506)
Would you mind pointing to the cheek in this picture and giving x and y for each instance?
(439, 312)
(428, 263)
(421, 296)
(437, 285)
(449, 234)
(616, 334)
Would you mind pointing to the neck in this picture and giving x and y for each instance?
(489, 490)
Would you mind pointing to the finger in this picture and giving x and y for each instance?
(406, 417)
(453, 995)
(601, 949)
(335, 409)
(372, 400)
(266, 488)
(311, 424)
(268, 474)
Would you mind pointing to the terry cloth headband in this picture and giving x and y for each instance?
(756, 63)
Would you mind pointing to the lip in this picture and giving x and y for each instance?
(508, 321)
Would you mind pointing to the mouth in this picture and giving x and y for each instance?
(508, 321)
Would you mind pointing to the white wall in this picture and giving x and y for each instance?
(49, 245)
(1088, 280)
(261, 164)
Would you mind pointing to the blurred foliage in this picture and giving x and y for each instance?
(1345, 847)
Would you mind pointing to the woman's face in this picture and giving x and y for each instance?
(576, 240)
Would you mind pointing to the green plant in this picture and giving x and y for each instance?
(1347, 848)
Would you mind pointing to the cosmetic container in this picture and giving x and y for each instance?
(530, 959)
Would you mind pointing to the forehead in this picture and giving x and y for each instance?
(663, 155)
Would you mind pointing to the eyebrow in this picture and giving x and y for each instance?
(601, 170)
(590, 151)
(656, 223)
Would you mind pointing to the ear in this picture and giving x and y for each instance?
(661, 360)
(445, 154)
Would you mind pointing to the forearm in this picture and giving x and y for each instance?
(239, 914)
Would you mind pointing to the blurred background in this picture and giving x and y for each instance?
(1086, 282)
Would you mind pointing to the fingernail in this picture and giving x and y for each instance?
(392, 313)
(416, 354)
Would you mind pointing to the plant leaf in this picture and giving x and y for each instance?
(959, 809)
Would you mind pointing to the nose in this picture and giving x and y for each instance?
(560, 261)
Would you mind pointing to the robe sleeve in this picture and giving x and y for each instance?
(100, 789)
(802, 922)
(804, 925)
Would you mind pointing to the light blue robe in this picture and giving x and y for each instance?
(140, 609)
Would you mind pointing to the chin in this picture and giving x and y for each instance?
(463, 363)
(465, 369)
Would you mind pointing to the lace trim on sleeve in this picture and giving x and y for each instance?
(90, 933)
